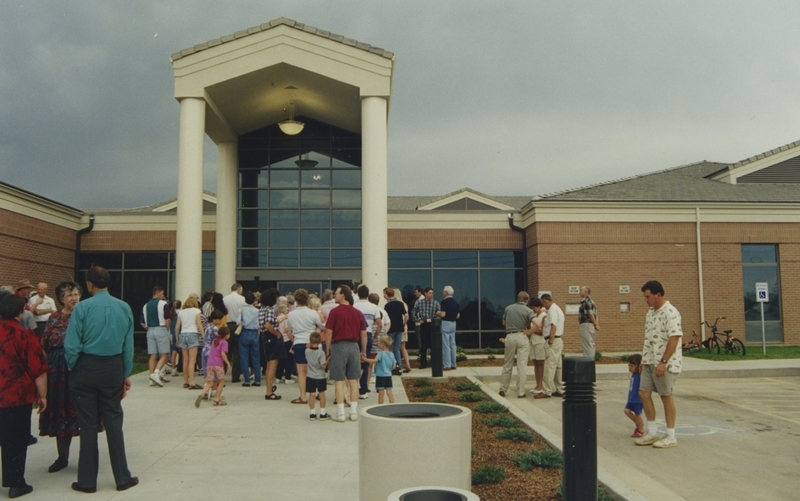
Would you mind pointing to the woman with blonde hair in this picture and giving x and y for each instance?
(188, 330)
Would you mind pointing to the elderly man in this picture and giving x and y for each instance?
(424, 310)
(449, 313)
(157, 319)
(587, 316)
(98, 349)
(23, 289)
(553, 330)
(42, 306)
(517, 320)
(234, 302)
(661, 364)
(346, 330)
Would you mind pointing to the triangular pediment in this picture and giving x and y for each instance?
(777, 166)
(465, 199)
(209, 204)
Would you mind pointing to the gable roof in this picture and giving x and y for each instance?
(440, 202)
(281, 21)
(685, 183)
(779, 165)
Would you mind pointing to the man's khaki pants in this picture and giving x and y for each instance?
(517, 344)
(552, 366)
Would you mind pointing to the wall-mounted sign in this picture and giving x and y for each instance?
(624, 289)
(624, 307)
(572, 309)
(541, 293)
(574, 289)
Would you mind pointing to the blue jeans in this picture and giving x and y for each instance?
(397, 338)
(448, 344)
(363, 382)
(249, 355)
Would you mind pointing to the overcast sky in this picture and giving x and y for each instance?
(508, 98)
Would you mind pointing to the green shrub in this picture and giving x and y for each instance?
(470, 396)
(488, 351)
(502, 420)
(490, 357)
(421, 383)
(438, 400)
(514, 434)
(461, 357)
(488, 474)
(624, 358)
(426, 392)
(466, 386)
(490, 408)
(602, 495)
(546, 458)
(597, 356)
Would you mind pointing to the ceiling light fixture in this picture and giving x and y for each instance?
(291, 127)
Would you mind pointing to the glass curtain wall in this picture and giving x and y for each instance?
(484, 282)
(300, 198)
(760, 264)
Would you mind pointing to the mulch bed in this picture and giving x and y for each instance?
(537, 483)
(498, 362)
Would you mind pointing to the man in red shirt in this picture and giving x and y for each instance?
(346, 329)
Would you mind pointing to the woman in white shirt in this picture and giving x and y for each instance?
(537, 343)
(302, 322)
(188, 331)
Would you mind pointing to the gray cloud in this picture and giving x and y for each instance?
(518, 98)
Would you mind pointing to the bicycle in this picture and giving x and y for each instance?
(732, 345)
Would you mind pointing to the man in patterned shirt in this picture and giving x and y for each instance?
(661, 364)
(424, 310)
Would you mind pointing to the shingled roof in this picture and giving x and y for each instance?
(281, 21)
(686, 183)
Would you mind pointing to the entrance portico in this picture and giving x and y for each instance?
(244, 82)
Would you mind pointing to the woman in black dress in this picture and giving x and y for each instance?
(60, 418)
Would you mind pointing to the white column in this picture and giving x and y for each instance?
(189, 234)
(227, 186)
(374, 228)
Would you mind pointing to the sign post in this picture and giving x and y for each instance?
(762, 296)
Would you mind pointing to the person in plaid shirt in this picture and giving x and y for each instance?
(587, 316)
(271, 339)
(424, 310)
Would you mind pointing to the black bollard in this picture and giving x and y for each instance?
(436, 347)
(579, 421)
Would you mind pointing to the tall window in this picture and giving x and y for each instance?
(300, 198)
(760, 264)
(485, 282)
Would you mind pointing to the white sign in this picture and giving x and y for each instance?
(624, 289)
(574, 289)
(762, 292)
(542, 293)
(572, 309)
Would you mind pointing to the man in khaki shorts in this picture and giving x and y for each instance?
(661, 364)
(538, 353)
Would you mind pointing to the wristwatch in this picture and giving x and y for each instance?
(663, 361)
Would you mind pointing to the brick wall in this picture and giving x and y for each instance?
(500, 239)
(34, 249)
(607, 255)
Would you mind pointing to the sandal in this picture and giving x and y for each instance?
(220, 402)
(272, 396)
(186, 385)
(195, 387)
(299, 401)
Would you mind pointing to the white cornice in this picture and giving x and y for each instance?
(466, 194)
(446, 220)
(21, 202)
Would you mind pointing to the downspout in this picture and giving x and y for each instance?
(524, 250)
(78, 243)
(700, 275)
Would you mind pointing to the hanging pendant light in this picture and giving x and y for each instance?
(291, 127)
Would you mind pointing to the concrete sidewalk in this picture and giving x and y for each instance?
(256, 448)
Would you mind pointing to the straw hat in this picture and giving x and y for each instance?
(23, 284)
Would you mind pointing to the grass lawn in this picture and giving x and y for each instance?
(754, 352)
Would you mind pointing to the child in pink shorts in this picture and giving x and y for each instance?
(217, 367)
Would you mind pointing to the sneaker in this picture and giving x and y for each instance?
(637, 433)
(353, 416)
(647, 439)
(283, 380)
(290, 381)
(363, 396)
(312, 417)
(163, 377)
(155, 379)
(339, 418)
(324, 416)
(152, 383)
(174, 372)
(666, 443)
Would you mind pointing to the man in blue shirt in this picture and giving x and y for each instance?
(449, 313)
(99, 352)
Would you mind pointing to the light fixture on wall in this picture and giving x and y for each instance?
(306, 163)
(291, 127)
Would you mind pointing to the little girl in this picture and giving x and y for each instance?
(385, 363)
(634, 407)
(217, 367)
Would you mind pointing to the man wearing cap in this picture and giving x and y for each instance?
(42, 306)
(23, 289)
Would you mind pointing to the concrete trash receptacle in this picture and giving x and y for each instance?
(432, 493)
(413, 444)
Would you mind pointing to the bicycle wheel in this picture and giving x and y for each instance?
(713, 345)
(737, 347)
